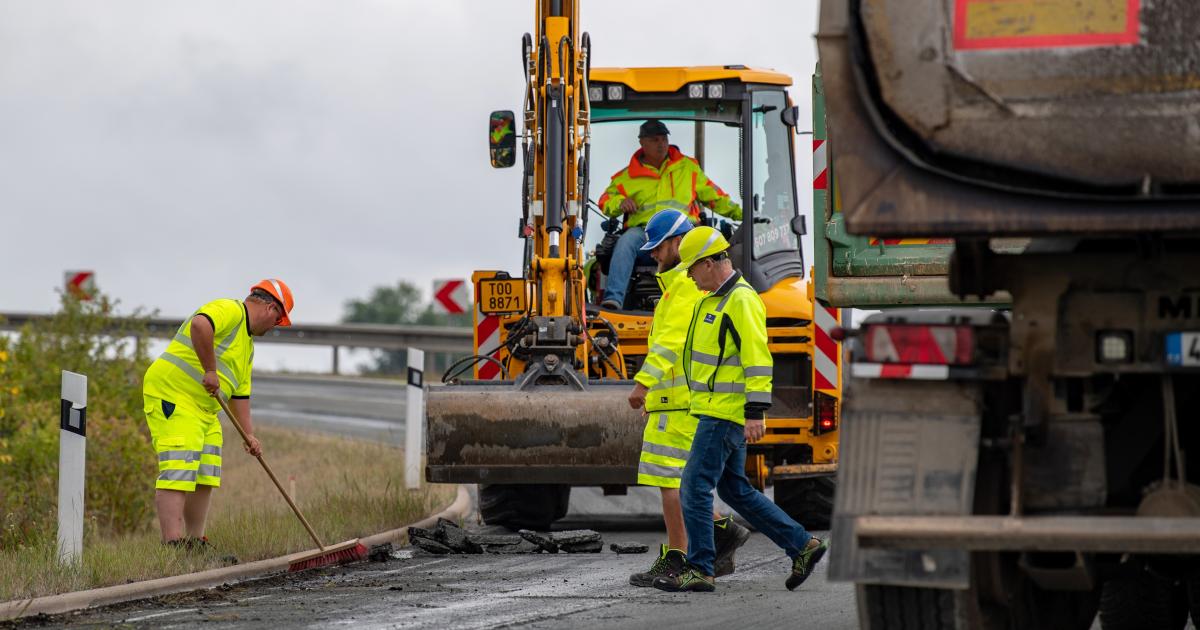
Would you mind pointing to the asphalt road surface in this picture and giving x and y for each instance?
(370, 409)
(417, 590)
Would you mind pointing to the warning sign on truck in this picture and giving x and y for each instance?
(996, 24)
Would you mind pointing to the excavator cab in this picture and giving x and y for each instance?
(707, 110)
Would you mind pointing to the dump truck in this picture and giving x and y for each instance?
(1015, 185)
(541, 405)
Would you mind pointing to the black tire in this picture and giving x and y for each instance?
(908, 608)
(1142, 599)
(528, 506)
(1193, 595)
(809, 501)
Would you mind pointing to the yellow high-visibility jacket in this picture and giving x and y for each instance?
(726, 359)
(679, 185)
(177, 376)
(662, 372)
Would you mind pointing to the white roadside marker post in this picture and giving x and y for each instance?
(414, 438)
(72, 459)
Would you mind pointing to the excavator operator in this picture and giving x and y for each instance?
(658, 177)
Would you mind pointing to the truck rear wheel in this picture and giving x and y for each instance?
(809, 501)
(525, 506)
(1143, 600)
(910, 608)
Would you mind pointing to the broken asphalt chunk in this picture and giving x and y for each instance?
(575, 537)
(543, 541)
(524, 546)
(455, 537)
(432, 546)
(495, 539)
(629, 548)
(380, 553)
(591, 546)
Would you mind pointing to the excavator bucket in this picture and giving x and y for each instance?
(493, 433)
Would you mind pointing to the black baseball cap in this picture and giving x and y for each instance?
(653, 127)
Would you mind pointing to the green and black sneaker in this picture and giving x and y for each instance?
(689, 580)
(803, 565)
(728, 536)
(669, 562)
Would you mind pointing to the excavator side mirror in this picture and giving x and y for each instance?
(799, 225)
(790, 116)
(502, 139)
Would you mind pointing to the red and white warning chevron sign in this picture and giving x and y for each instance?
(81, 284)
(827, 353)
(450, 296)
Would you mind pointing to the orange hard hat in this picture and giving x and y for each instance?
(281, 292)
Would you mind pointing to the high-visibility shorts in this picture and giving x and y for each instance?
(188, 443)
(666, 443)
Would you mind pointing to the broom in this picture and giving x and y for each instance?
(341, 553)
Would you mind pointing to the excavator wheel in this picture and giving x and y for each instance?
(809, 501)
(523, 506)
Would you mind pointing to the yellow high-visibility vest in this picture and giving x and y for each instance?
(726, 359)
(662, 371)
(177, 376)
(679, 185)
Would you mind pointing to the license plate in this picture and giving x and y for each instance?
(502, 296)
(1183, 349)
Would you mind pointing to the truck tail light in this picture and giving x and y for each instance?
(826, 417)
(919, 344)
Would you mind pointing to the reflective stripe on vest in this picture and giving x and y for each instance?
(219, 351)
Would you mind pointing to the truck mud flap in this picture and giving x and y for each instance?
(908, 448)
(493, 433)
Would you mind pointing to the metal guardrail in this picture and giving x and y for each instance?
(382, 336)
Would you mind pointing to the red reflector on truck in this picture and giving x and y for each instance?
(919, 343)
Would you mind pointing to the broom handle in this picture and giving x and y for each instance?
(238, 425)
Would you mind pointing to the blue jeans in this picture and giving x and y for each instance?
(624, 257)
(718, 460)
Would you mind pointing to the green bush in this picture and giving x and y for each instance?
(82, 337)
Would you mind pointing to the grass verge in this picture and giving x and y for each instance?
(346, 488)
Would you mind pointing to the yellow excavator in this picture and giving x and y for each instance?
(541, 405)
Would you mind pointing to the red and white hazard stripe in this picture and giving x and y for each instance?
(902, 371)
(918, 344)
(487, 337)
(827, 352)
(820, 165)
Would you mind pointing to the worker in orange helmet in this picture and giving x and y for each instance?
(211, 354)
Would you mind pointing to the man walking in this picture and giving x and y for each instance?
(659, 177)
(662, 389)
(728, 369)
(211, 355)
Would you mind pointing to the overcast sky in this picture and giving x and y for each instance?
(184, 150)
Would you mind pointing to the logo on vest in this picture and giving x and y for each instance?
(710, 318)
(662, 399)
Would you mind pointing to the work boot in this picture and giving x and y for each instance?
(669, 562)
(689, 580)
(802, 565)
(198, 545)
(728, 536)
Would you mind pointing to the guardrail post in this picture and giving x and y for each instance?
(72, 459)
(414, 430)
(335, 359)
